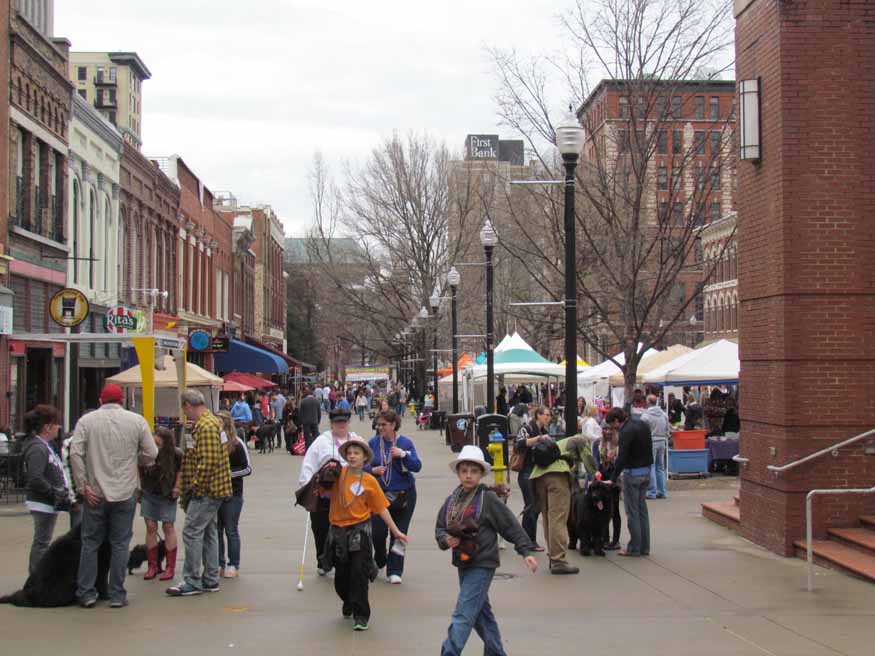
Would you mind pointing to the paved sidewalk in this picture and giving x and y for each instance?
(703, 591)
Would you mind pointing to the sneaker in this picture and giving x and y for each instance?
(564, 568)
(183, 590)
(651, 497)
(359, 624)
(321, 572)
(346, 612)
(118, 603)
(88, 603)
(394, 579)
(211, 587)
(230, 573)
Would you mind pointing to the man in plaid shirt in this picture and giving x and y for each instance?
(206, 482)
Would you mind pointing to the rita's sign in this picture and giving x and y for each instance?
(123, 320)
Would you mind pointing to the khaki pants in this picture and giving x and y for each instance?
(554, 498)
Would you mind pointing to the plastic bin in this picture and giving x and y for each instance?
(691, 439)
(688, 461)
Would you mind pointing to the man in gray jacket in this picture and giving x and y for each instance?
(660, 431)
(310, 414)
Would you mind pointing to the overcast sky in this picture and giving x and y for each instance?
(246, 92)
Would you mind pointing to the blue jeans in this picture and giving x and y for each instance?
(531, 509)
(112, 521)
(637, 517)
(393, 562)
(473, 611)
(200, 538)
(228, 526)
(657, 470)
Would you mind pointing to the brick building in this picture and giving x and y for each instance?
(680, 131)
(6, 296)
(270, 297)
(39, 95)
(720, 253)
(806, 284)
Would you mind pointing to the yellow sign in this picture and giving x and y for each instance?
(68, 308)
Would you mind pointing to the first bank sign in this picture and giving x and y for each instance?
(481, 146)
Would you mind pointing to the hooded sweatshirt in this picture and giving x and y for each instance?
(656, 418)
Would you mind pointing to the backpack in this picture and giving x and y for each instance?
(546, 453)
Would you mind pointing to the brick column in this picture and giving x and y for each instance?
(806, 244)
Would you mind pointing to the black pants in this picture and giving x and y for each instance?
(380, 531)
(351, 584)
(290, 440)
(615, 516)
(319, 524)
(532, 510)
(311, 432)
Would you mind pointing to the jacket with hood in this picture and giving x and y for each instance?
(655, 417)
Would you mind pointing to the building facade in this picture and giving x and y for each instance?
(113, 83)
(270, 297)
(93, 241)
(39, 96)
(720, 255)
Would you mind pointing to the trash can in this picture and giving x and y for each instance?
(438, 417)
(460, 431)
(486, 424)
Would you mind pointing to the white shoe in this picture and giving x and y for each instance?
(320, 571)
(395, 579)
(231, 572)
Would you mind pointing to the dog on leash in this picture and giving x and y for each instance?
(139, 555)
(590, 515)
(53, 582)
(265, 435)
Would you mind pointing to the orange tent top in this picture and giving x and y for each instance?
(463, 362)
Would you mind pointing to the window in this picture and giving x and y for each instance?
(663, 211)
(624, 107)
(92, 209)
(715, 108)
(676, 107)
(75, 230)
(715, 143)
(715, 211)
(640, 107)
(82, 73)
(111, 93)
(662, 142)
(677, 142)
(112, 73)
(699, 142)
(662, 178)
(700, 108)
(699, 218)
(715, 178)
(660, 106)
(700, 177)
(111, 117)
(677, 212)
(100, 96)
(622, 140)
(700, 300)
(84, 94)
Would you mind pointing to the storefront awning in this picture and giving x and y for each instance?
(247, 358)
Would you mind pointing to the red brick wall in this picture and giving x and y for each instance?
(806, 243)
(4, 191)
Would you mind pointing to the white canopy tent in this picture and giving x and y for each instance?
(167, 386)
(595, 381)
(714, 364)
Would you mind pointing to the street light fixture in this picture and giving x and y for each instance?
(453, 280)
(570, 138)
(489, 239)
(435, 302)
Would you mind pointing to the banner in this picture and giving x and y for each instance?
(364, 374)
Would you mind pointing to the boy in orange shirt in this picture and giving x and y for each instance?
(354, 498)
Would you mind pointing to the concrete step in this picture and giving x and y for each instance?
(868, 520)
(725, 513)
(736, 500)
(861, 538)
(838, 556)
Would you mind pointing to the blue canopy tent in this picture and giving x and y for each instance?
(247, 358)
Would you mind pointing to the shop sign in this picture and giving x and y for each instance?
(362, 374)
(123, 320)
(5, 320)
(199, 340)
(68, 308)
(220, 344)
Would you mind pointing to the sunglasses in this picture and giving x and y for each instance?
(383, 424)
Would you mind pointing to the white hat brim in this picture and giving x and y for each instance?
(454, 465)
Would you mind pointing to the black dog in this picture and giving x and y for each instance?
(589, 517)
(138, 556)
(53, 584)
(265, 434)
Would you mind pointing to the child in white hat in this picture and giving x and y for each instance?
(469, 523)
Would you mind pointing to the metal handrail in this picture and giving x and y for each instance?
(818, 454)
(809, 529)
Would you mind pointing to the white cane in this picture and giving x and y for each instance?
(304, 556)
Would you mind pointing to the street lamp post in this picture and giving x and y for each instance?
(423, 325)
(453, 280)
(435, 302)
(569, 140)
(488, 238)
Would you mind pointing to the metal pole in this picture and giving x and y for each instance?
(809, 530)
(455, 328)
(570, 299)
(434, 331)
(490, 360)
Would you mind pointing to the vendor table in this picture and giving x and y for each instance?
(721, 452)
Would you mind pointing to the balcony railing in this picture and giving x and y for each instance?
(100, 78)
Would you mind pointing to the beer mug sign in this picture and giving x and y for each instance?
(68, 308)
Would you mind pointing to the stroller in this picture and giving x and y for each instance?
(423, 419)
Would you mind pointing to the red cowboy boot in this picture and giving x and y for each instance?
(152, 572)
(169, 566)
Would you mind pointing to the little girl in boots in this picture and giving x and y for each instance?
(469, 523)
(354, 498)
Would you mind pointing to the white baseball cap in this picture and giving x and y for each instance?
(470, 453)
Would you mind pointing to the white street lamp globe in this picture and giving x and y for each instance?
(423, 313)
(453, 277)
(435, 300)
(570, 135)
(487, 234)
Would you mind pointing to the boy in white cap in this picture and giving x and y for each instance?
(354, 498)
(469, 523)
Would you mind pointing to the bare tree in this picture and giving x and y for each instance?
(640, 205)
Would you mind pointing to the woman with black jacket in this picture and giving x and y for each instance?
(529, 435)
(48, 491)
(228, 524)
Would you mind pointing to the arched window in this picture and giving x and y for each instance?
(107, 251)
(124, 255)
(74, 231)
(92, 221)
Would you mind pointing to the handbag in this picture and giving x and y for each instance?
(517, 460)
(397, 500)
(299, 448)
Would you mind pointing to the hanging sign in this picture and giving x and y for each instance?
(199, 340)
(68, 308)
(121, 320)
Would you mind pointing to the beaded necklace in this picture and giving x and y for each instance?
(343, 486)
(386, 457)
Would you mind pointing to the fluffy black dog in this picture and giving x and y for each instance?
(53, 584)
(589, 517)
(138, 556)
(265, 435)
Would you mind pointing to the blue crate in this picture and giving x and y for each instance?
(688, 461)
